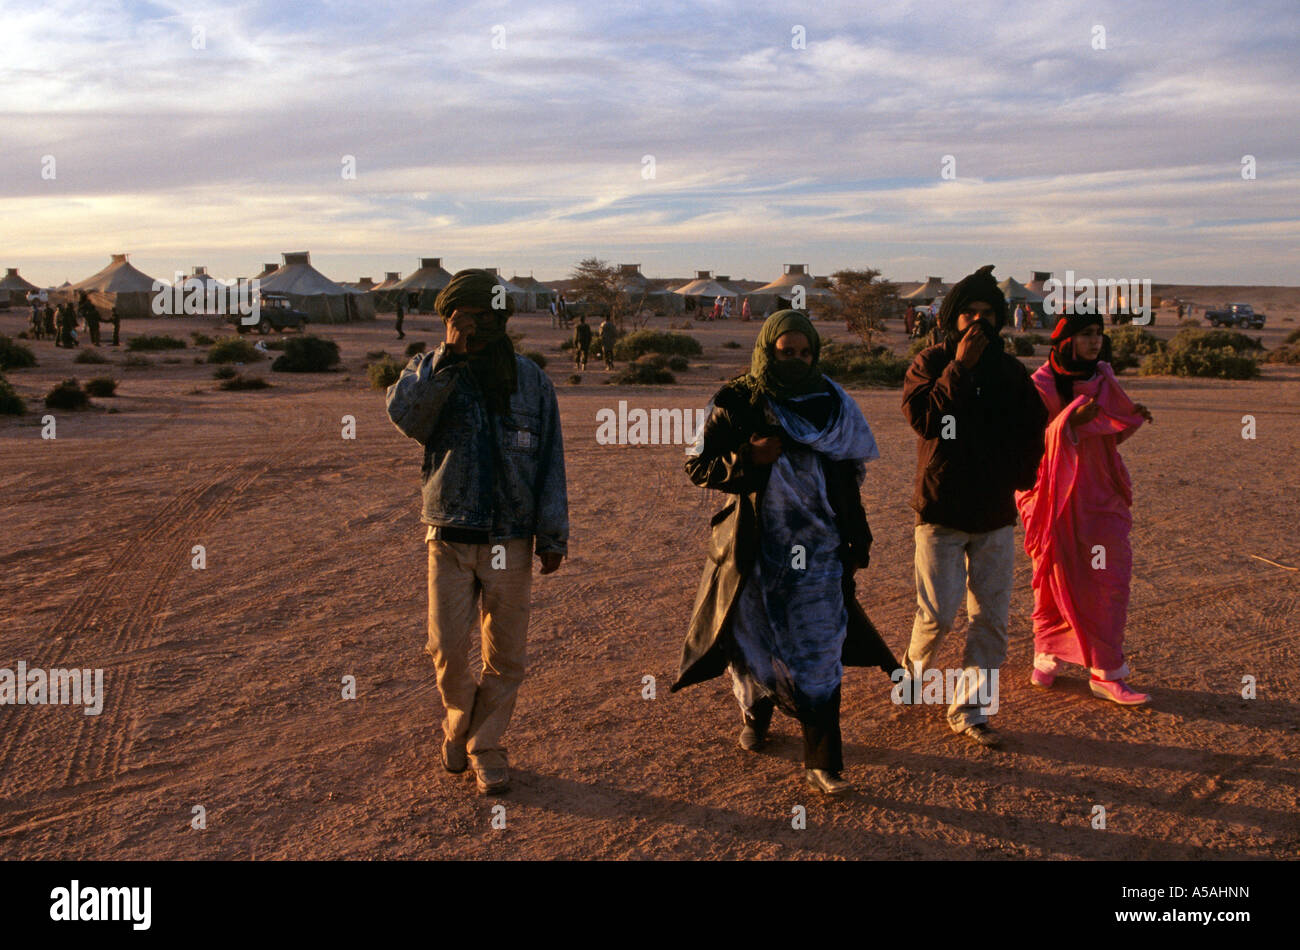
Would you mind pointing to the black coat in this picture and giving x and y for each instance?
(726, 464)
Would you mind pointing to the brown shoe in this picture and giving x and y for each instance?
(982, 733)
(454, 759)
(492, 781)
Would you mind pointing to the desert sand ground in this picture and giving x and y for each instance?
(223, 686)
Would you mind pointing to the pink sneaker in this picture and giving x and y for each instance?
(1117, 691)
(1042, 680)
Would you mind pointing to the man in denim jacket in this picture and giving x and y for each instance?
(494, 491)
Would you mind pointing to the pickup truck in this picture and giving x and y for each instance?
(1240, 315)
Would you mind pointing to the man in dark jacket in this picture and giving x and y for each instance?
(581, 342)
(981, 424)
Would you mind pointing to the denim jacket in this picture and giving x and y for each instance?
(501, 474)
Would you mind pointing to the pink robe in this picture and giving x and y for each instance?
(1081, 500)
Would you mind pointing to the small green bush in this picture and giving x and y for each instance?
(15, 355)
(225, 371)
(145, 344)
(1286, 353)
(536, 357)
(858, 364)
(90, 356)
(240, 382)
(1223, 363)
(307, 354)
(101, 387)
(233, 349)
(383, 373)
(135, 361)
(67, 395)
(201, 339)
(1020, 345)
(1292, 337)
(731, 345)
(565, 345)
(575, 379)
(1215, 340)
(656, 341)
(11, 404)
(377, 355)
(644, 374)
(275, 343)
(1129, 344)
(417, 347)
(678, 364)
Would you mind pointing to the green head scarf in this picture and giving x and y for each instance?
(781, 379)
(494, 366)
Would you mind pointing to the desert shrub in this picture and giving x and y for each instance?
(15, 355)
(417, 347)
(656, 341)
(240, 382)
(575, 379)
(645, 374)
(201, 339)
(858, 363)
(1222, 363)
(225, 371)
(275, 343)
(731, 345)
(307, 354)
(678, 364)
(383, 373)
(1129, 344)
(22, 335)
(67, 395)
(1020, 346)
(536, 357)
(233, 349)
(101, 387)
(566, 345)
(11, 404)
(136, 361)
(1286, 353)
(1292, 337)
(1189, 322)
(90, 356)
(688, 325)
(147, 343)
(1215, 340)
(377, 355)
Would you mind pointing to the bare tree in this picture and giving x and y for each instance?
(862, 300)
(599, 285)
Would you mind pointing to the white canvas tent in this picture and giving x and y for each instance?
(519, 298)
(780, 293)
(418, 292)
(540, 296)
(316, 295)
(931, 290)
(118, 285)
(14, 288)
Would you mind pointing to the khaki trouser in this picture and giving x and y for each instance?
(466, 590)
(947, 561)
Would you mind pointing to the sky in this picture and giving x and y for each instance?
(1152, 140)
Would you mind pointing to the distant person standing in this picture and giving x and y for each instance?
(50, 332)
(562, 308)
(909, 320)
(401, 318)
(67, 323)
(90, 316)
(581, 342)
(726, 308)
(1019, 318)
(36, 325)
(608, 337)
(116, 317)
(745, 315)
(717, 308)
(555, 315)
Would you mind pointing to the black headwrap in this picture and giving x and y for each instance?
(494, 367)
(977, 287)
(1066, 367)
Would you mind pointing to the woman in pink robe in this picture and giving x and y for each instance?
(1077, 517)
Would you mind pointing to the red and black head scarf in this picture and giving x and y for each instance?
(1066, 367)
